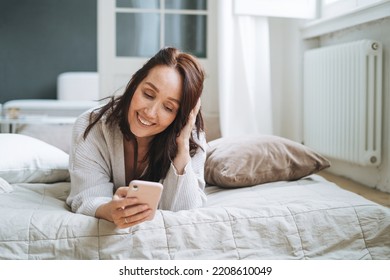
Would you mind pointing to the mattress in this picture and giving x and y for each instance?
(309, 218)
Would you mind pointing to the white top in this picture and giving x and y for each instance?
(97, 169)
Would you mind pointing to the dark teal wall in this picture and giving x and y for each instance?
(39, 39)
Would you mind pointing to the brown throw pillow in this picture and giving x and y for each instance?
(252, 160)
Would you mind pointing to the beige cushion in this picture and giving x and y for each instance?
(252, 160)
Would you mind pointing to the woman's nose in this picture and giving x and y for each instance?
(152, 109)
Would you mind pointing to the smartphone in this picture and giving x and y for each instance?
(147, 193)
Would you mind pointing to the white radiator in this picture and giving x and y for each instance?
(343, 101)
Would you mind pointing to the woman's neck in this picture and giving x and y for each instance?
(143, 142)
(135, 157)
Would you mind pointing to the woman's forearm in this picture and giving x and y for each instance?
(104, 212)
(180, 161)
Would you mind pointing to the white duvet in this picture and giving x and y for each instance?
(306, 219)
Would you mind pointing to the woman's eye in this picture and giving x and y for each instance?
(147, 95)
(169, 109)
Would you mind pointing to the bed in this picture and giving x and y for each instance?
(265, 201)
(46, 119)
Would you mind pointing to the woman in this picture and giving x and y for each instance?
(154, 132)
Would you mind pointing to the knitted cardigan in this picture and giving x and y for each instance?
(97, 169)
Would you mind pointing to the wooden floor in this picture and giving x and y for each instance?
(369, 193)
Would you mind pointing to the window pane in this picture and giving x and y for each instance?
(145, 4)
(186, 32)
(326, 2)
(137, 34)
(186, 4)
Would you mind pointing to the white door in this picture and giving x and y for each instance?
(131, 31)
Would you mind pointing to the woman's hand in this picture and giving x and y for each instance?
(182, 140)
(123, 211)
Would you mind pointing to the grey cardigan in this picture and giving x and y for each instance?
(97, 169)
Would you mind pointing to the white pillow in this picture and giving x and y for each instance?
(25, 159)
(5, 187)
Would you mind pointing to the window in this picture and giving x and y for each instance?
(145, 26)
(340, 14)
(276, 8)
(332, 8)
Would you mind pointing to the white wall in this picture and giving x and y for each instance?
(378, 177)
(286, 77)
(287, 86)
(287, 46)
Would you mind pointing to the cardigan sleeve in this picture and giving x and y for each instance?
(91, 182)
(186, 191)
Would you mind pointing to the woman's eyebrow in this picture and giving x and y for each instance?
(174, 100)
(152, 86)
(157, 90)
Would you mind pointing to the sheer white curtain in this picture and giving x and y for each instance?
(243, 73)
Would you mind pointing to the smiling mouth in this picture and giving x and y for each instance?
(144, 121)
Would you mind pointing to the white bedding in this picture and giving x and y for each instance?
(306, 219)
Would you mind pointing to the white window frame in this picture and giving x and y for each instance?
(333, 8)
(277, 8)
(162, 11)
(362, 12)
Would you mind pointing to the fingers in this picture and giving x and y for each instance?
(120, 201)
(123, 207)
(194, 113)
(134, 210)
(121, 192)
(197, 107)
(131, 215)
(185, 133)
(132, 220)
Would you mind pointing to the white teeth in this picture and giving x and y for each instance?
(144, 122)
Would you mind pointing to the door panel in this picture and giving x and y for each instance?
(127, 38)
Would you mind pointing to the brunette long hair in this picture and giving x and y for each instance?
(163, 147)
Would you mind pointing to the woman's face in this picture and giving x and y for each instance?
(155, 102)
